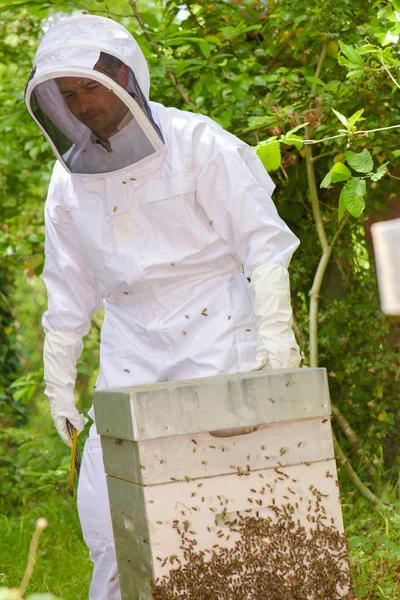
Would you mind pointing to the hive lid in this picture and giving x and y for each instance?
(212, 403)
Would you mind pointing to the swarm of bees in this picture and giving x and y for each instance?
(274, 558)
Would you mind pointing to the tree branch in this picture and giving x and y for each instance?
(344, 461)
(323, 155)
(170, 74)
(389, 73)
(298, 332)
(280, 50)
(320, 64)
(340, 135)
(314, 300)
(353, 439)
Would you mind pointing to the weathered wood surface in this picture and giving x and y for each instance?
(202, 405)
(203, 455)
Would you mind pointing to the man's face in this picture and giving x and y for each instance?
(93, 104)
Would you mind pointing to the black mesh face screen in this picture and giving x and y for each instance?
(72, 112)
(110, 65)
(137, 95)
(62, 143)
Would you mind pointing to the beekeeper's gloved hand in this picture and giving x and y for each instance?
(60, 354)
(276, 344)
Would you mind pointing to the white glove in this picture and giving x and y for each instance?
(276, 345)
(60, 354)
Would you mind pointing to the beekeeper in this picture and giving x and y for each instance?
(160, 216)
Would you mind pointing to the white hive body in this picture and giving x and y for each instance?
(193, 464)
(386, 238)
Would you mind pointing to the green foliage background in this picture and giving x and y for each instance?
(253, 67)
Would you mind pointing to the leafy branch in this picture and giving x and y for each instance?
(351, 202)
(170, 74)
(353, 192)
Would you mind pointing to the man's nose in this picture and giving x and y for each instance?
(85, 102)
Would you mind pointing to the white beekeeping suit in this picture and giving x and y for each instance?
(162, 223)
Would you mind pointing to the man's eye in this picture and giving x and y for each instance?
(69, 95)
(93, 86)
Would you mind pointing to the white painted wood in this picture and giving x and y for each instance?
(200, 455)
(223, 402)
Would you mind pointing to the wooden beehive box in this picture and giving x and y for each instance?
(194, 466)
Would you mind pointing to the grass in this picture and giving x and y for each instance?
(374, 542)
(62, 567)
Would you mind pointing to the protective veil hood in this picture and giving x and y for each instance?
(90, 77)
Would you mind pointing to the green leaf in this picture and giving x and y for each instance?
(352, 54)
(352, 197)
(213, 39)
(341, 117)
(339, 172)
(312, 79)
(9, 120)
(360, 161)
(342, 208)
(368, 49)
(293, 140)
(270, 155)
(389, 58)
(343, 62)
(380, 172)
(175, 41)
(257, 122)
(296, 128)
(355, 73)
(396, 153)
(355, 117)
(205, 48)
(391, 37)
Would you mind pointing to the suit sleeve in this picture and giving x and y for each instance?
(235, 191)
(71, 286)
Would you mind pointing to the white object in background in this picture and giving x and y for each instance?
(386, 238)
